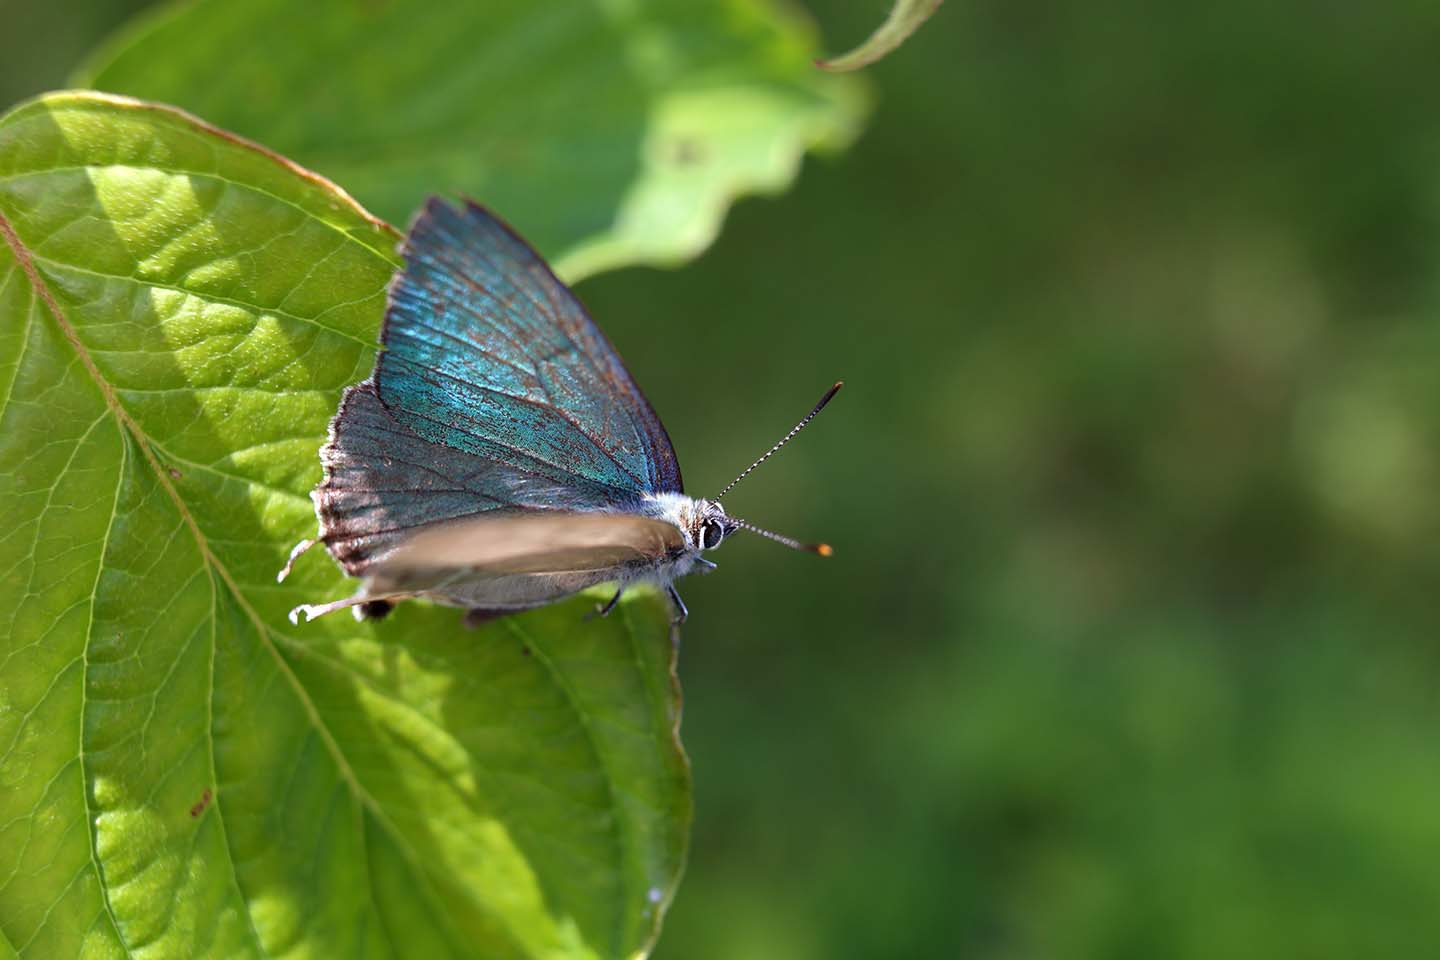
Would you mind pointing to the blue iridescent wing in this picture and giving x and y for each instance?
(494, 391)
(488, 353)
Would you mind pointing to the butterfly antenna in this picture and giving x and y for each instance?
(823, 549)
(771, 452)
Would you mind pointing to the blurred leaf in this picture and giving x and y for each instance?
(904, 19)
(181, 772)
(610, 133)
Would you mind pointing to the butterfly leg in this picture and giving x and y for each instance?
(681, 613)
(300, 548)
(313, 610)
(609, 607)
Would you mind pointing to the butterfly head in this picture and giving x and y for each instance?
(711, 525)
(706, 525)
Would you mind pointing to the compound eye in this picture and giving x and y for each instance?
(711, 533)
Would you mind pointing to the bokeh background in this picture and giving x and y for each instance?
(1130, 646)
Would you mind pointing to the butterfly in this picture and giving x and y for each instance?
(501, 457)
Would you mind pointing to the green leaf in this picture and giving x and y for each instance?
(182, 773)
(611, 133)
(904, 19)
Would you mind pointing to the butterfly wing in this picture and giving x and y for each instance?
(486, 351)
(494, 391)
(384, 484)
(527, 542)
(513, 559)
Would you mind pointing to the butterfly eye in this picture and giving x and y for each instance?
(710, 535)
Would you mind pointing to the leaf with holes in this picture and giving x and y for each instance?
(182, 773)
(610, 133)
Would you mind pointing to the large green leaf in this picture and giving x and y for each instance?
(610, 132)
(182, 773)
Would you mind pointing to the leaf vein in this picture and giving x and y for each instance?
(123, 417)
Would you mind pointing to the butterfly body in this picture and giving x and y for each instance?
(507, 561)
(501, 456)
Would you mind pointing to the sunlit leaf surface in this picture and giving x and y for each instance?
(182, 773)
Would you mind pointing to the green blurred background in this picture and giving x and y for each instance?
(1129, 646)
